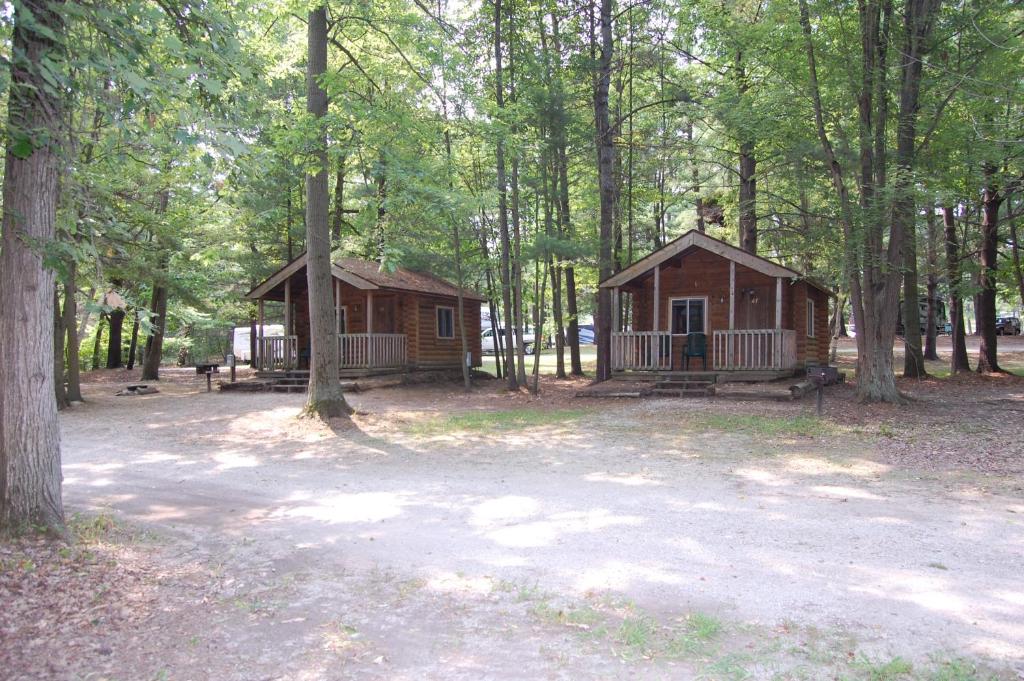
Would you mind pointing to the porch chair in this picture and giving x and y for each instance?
(696, 346)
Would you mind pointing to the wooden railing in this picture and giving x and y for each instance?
(277, 353)
(372, 350)
(642, 350)
(747, 349)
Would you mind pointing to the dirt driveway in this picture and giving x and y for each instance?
(487, 536)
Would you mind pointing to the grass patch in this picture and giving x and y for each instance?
(490, 421)
(959, 670)
(636, 634)
(768, 426)
(896, 668)
(699, 630)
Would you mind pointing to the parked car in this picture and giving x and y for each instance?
(1007, 326)
(488, 346)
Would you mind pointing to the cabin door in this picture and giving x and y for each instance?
(384, 315)
(689, 315)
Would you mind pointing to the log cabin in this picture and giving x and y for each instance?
(387, 321)
(753, 317)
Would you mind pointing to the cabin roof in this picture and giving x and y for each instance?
(695, 239)
(367, 275)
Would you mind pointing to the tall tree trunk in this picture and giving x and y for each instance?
(873, 289)
(324, 399)
(30, 471)
(932, 286)
(566, 227)
(959, 362)
(917, 29)
(511, 376)
(60, 392)
(133, 344)
(114, 341)
(517, 236)
(1018, 270)
(97, 342)
(988, 254)
(382, 209)
(748, 198)
(606, 185)
(338, 216)
(74, 374)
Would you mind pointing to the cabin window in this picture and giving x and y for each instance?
(810, 319)
(689, 315)
(446, 322)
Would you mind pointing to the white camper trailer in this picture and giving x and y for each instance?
(241, 344)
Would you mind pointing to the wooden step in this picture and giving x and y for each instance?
(288, 388)
(684, 392)
(679, 384)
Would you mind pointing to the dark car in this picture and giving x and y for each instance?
(1007, 326)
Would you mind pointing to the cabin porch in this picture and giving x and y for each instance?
(369, 331)
(700, 305)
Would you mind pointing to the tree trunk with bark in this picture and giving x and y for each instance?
(74, 371)
(1018, 270)
(917, 29)
(988, 256)
(133, 343)
(324, 399)
(606, 185)
(959, 361)
(511, 376)
(932, 285)
(338, 216)
(114, 341)
(564, 214)
(97, 342)
(155, 340)
(60, 392)
(30, 469)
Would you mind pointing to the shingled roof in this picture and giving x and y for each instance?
(402, 279)
(366, 274)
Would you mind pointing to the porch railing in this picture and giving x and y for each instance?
(641, 350)
(372, 350)
(277, 353)
(747, 349)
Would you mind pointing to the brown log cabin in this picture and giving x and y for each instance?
(757, 317)
(387, 321)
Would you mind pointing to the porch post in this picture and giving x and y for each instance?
(259, 337)
(369, 330)
(732, 295)
(778, 302)
(616, 313)
(729, 338)
(369, 312)
(288, 306)
(337, 307)
(657, 298)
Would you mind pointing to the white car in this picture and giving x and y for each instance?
(488, 346)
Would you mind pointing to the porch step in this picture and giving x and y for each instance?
(288, 388)
(684, 384)
(707, 391)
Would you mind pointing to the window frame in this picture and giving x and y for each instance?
(437, 321)
(810, 318)
(671, 314)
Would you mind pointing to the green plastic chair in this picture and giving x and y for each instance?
(696, 346)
